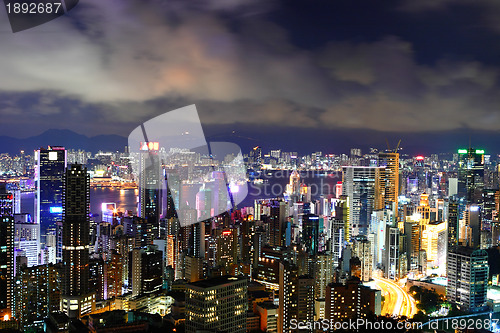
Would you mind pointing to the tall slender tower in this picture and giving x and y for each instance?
(390, 178)
(6, 249)
(77, 299)
(471, 175)
(49, 173)
(150, 185)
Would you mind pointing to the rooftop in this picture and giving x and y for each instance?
(220, 280)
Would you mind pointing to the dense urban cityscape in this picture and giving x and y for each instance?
(322, 242)
(249, 166)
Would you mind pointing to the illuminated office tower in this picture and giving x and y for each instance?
(310, 233)
(277, 223)
(456, 209)
(471, 175)
(77, 299)
(337, 239)
(227, 248)
(49, 174)
(146, 270)
(323, 273)
(390, 178)
(198, 248)
(471, 230)
(363, 187)
(413, 235)
(381, 220)
(434, 243)
(490, 223)
(467, 272)
(6, 250)
(392, 259)
(267, 270)
(296, 297)
(27, 237)
(113, 276)
(217, 305)
(151, 181)
(361, 248)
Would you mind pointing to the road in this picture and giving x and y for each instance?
(397, 301)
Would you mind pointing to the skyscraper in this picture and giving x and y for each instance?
(471, 175)
(390, 178)
(151, 181)
(77, 299)
(363, 187)
(310, 233)
(296, 297)
(37, 294)
(146, 270)
(49, 173)
(6, 249)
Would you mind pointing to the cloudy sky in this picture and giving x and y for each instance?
(401, 66)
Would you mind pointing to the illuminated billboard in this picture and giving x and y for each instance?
(150, 146)
(462, 151)
(56, 210)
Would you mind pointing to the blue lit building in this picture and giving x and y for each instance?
(50, 166)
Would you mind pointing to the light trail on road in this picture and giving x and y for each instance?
(397, 301)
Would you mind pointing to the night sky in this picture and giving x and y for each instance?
(411, 69)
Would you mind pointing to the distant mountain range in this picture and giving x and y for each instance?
(65, 138)
(301, 140)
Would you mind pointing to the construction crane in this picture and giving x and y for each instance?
(389, 147)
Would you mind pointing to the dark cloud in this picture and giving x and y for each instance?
(113, 64)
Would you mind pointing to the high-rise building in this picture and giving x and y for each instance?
(146, 270)
(471, 175)
(362, 249)
(37, 294)
(49, 174)
(27, 237)
(227, 247)
(351, 301)
(434, 243)
(6, 250)
(296, 297)
(218, 305)
(392, 254)
(310, 233)
(390, 178)
(467, 271)
(77, 299)
(364, 188)
(277, 222)
(323, 273)
(151, 181)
